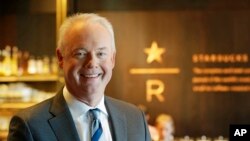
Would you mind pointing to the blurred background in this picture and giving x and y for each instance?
(185, 58)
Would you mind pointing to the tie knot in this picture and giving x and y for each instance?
(94, 113)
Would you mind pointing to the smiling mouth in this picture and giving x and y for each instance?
(90, 75)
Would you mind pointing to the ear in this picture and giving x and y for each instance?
(59, 57)
(113, 59)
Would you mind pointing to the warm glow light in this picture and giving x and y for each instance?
(221, 88)
(61, 13)
(214, 71)
(154, 71)
(154, 53)
(155, 88)
(220, 58)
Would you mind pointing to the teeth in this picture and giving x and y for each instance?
(91, 75)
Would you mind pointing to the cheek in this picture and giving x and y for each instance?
(71, 67)
(108, 67)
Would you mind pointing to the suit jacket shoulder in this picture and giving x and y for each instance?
(122, 105)
(49, 120)
(128, 122)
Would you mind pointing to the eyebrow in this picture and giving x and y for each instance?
(102, 48)
(77, 49)
(83, 49)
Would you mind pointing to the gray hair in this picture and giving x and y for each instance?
(85, 18)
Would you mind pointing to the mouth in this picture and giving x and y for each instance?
(90, 75)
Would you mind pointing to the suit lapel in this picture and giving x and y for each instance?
(62, 124)
(117, 119)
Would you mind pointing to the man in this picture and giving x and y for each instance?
(86, 54)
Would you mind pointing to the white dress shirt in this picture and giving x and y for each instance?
(82, 119)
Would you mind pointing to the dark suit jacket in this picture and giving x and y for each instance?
(51, 121)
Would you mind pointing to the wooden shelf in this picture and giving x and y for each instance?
(16, 105)
(29, 78)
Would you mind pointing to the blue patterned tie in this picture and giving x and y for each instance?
(96, 130)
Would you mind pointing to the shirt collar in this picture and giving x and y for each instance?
(78, 108)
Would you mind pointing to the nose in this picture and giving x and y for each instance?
(91, 61)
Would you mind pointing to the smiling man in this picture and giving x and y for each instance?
(80, 111)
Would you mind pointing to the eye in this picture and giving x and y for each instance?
(79, 54)
(101, 54)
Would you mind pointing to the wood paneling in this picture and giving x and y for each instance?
(182, 34)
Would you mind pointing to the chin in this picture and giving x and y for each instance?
(90, 89)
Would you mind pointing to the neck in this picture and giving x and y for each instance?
(93, 100)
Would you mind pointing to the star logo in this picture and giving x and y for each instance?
(154, 53)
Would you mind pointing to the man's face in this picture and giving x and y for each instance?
(88, 59)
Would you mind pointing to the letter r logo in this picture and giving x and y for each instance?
(154, 87)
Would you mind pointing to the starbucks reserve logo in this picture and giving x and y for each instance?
(154, 87)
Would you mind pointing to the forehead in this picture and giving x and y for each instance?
(92, 34)
(89, 30)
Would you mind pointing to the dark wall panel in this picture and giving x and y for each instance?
(183, 34)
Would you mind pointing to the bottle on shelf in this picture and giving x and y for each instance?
(46, 65)
(39, 65)
(54, 65)
(6, 61)
(25, 58)
(14, 61)
(1, 63)
(32, 68)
